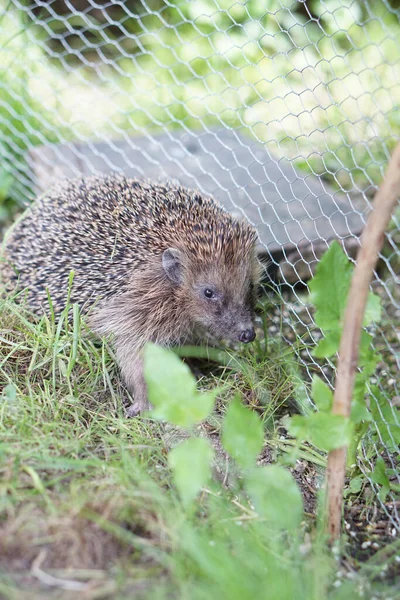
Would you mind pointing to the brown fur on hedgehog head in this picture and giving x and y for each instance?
(215, 276)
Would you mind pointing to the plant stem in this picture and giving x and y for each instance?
(371, 244)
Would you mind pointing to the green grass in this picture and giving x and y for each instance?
(87, 501)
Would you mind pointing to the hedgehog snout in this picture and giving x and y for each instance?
(242, 328)
(247, 335)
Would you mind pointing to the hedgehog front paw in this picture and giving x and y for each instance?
(137, 408)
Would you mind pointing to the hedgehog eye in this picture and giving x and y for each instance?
(209, 294)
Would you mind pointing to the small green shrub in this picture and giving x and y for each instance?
(378, 418)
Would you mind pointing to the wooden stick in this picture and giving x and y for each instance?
(371, 244)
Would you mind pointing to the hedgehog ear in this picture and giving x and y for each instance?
(172, 264)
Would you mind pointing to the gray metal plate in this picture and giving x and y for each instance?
(287, 207)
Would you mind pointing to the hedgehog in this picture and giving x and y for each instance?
(151, 261)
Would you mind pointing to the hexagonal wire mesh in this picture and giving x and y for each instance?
(239, 93)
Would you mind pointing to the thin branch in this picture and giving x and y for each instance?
(371, 244)
(50, 580)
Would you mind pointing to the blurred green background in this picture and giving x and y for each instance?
(317, 81)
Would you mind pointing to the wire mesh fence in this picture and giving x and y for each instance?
(285, 111)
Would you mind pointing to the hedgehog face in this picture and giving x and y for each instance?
(223, 309)
(218, 297)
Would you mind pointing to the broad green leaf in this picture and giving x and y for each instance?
(275, 496)
(187, 414)
(243, 434)
(327, 346)
(190, 463)
(328, 431)
(322, 394)
(330, 286)
(324, 430)
(172, 389)
(329, 290)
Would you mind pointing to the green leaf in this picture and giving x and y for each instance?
(172, 389)
(276, 496)
(322, 394)
(324, 430)
(365, 348)
(383, 492)
(379, 475)
(330, 286)
(243, 434)
(297, 427)
(373, 310)
(327, 346)
(328, 431)
(359, 410)
(190, 463)
(176, 377)
(386, 418)
(329, 290)
(195, 409)
(356, 483)
(369, 358)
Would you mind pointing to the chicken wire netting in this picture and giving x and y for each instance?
(313, 85)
